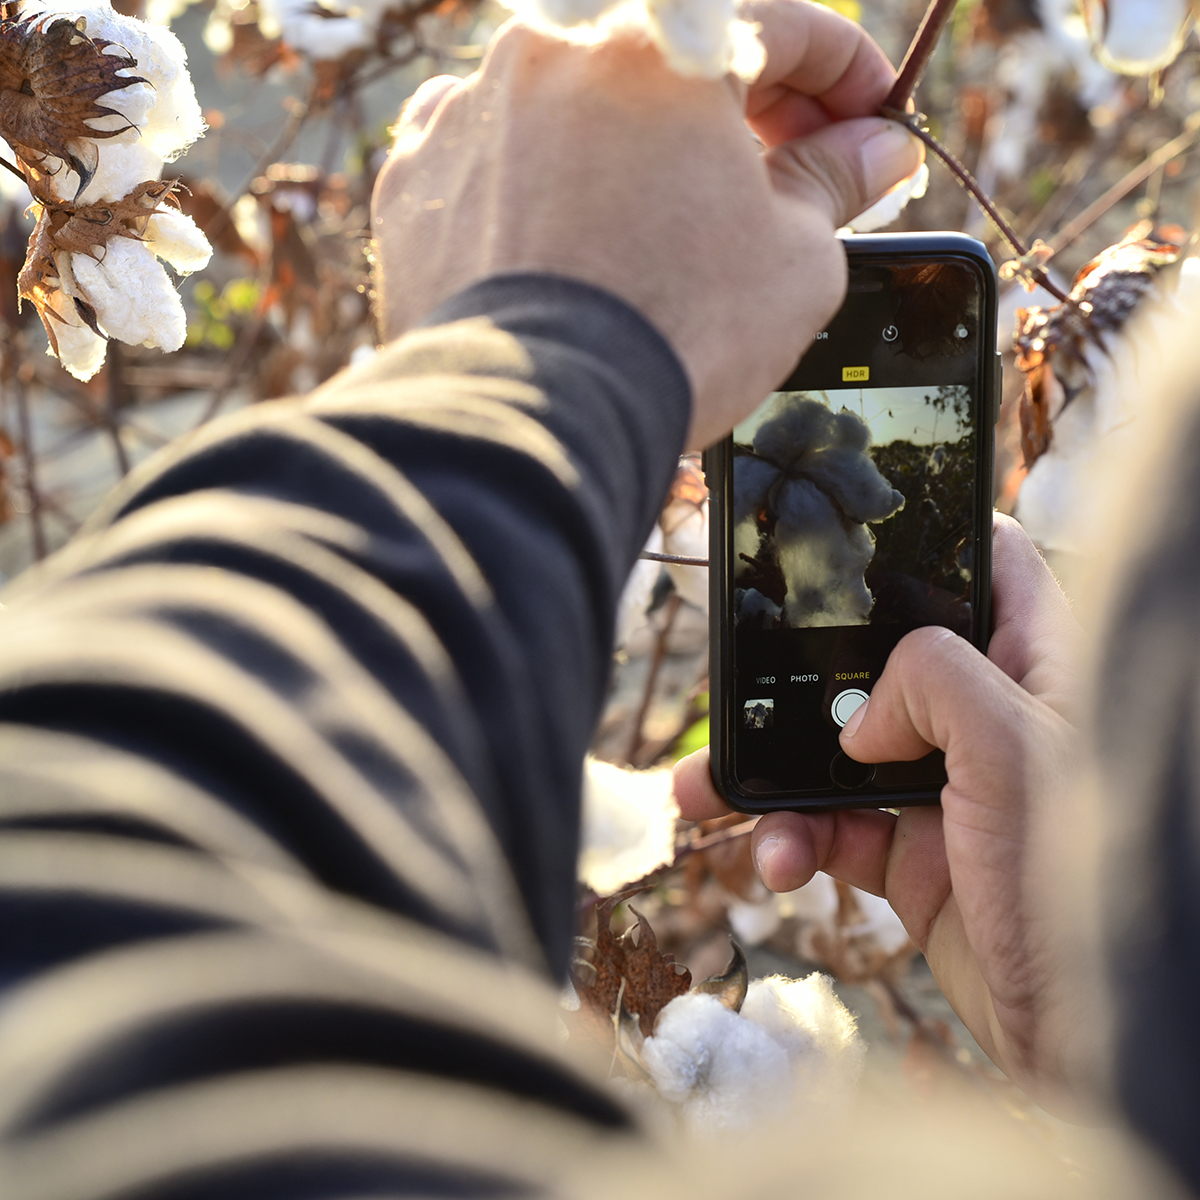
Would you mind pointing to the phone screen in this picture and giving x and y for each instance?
(858, 498)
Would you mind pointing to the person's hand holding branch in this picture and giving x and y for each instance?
(598, 163)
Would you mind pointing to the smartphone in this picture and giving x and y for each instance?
(853, 506)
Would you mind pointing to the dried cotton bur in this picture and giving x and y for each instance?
(92, 105)
(1085, 367)
(723, 1054)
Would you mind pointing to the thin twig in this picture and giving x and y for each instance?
(660, 651)
(717, 838)
(37, 528)
(921, 50)
(912, 122)
(15, 170)
(113, 399)
(283, 141)
(1094, 211)
(682, 560)
(233, 367)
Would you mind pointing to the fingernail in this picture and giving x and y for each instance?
(764, 851)
(851, 726)
(889, 156)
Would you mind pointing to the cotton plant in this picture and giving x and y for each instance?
(719, 1055)
(93, 105)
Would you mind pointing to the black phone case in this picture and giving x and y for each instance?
(717, 461)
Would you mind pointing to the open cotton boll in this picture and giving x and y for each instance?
(628, 825)
(879, 922)
(817, 1032)
(794, 1047)
(704, 38)
(892, 203)
(121, 167)
(1102, 423)
(133, 297)
(175, 238)
(721, 1070)
(1137, 37)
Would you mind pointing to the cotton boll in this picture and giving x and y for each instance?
(751, 479)
(891, 204)
(1058, 496)
(326, 38)
(817, 900)
(133, 298)
(879, 922)
(1137, 37)
(628, 825)
(80, 351)
(175, 238)
(693, 34)
(176, 121)
(723, 1071)
(753, 921)
(120, 168)
(851, 478)
(817, 1032)
(823, 561)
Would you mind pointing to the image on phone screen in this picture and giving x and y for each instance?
(856, 502)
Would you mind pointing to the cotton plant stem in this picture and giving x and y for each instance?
(681, 560)
(113, 399)
(928, 34)
(233, 367)
(37, 526)
(656, 661)
(896, 107)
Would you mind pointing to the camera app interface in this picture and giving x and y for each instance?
(853, 506)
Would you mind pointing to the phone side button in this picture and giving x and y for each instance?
(848, 773)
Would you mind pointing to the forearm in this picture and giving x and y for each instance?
(373, 615)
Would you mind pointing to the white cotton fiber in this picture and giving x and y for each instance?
(628, 825)
(133, 298)
(793, 1048)
(175, 238)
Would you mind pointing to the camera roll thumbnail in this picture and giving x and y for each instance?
(853, 506)
(759, 714)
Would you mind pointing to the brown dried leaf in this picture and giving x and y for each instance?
(635, 974)
(1051, 343)
(52, 76)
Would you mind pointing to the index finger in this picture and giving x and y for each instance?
(821, 67)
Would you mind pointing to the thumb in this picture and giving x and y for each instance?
(845, 167)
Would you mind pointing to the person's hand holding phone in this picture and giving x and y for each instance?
(958, 876)
(599, 163)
